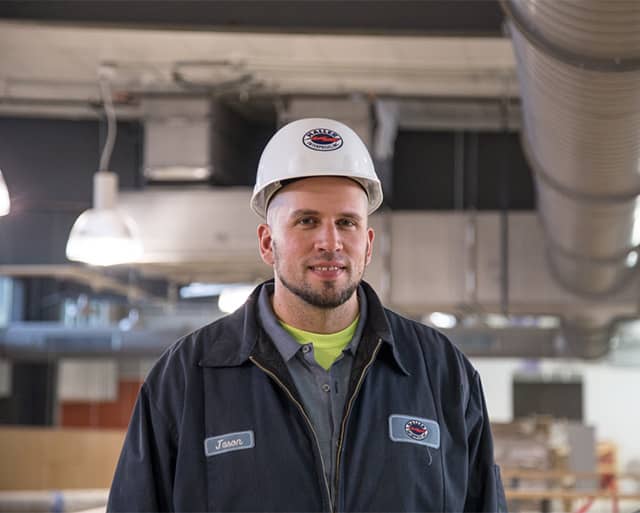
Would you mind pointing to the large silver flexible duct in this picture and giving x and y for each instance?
(578, 64)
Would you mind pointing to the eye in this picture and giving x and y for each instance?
(307, 221)
(347, 223)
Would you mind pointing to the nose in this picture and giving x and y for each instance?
(328, 238)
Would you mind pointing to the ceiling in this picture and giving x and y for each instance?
(252, 53)
(433, 17)
(50, 52)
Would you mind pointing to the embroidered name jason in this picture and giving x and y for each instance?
(229, 442)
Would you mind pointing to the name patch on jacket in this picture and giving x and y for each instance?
(230, 442)
(414, 430)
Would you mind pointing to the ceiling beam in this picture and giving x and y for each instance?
(408, 17)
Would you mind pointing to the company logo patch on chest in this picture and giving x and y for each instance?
(414, 430)
(230, 442)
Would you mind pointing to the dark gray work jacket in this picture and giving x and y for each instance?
(219, 426)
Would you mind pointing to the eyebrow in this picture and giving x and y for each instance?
(310, 212)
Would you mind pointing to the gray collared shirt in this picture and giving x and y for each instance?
(323, 392)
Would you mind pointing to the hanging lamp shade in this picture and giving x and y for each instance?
(103, 235)
(5, 202)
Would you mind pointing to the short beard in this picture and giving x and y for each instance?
(319, 300)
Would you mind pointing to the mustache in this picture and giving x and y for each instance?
(329, 256)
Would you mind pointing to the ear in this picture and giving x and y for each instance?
(370, 236)
(265, 243)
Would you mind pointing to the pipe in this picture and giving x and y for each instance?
(578, 64)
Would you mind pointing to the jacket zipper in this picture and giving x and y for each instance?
(304, 414)
(346, 418)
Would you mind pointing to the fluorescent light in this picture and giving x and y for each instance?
(177, 174)
(197, 289)
(443, 320)
(497, 320)
(548, 321)
(5, 202)
(232, 298)
(635, 234)
(102, 235)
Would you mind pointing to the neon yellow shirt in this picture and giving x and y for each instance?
(326, 347)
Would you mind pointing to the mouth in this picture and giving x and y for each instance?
(327, 271)
(324, 268)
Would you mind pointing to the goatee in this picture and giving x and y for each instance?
(327, 299)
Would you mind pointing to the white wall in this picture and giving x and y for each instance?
(84, 379)
(611, 397)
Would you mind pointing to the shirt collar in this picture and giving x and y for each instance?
(236, 337)
(286, 345)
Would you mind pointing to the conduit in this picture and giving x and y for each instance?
(578, 64)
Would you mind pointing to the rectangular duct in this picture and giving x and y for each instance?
(210, 235)
(197, 234)
(354, 113)
(177, 139)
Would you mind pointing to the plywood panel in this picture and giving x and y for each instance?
(42, 459)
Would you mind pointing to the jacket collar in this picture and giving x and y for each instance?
(233, 340)
(378, 325)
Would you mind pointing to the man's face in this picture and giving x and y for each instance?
(317, 239)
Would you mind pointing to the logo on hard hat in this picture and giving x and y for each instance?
(322, 139)
(416, 430)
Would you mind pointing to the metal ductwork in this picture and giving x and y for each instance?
(48, 341)
(177, 139)
(578, 64)
(37, 340)
(582, 338)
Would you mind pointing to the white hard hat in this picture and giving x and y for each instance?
(314, 147)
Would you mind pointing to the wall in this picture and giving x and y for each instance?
(49, 166)
(610, 397)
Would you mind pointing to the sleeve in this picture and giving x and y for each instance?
(484, 492)
(143, 480)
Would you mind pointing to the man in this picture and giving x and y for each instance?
(312, 396)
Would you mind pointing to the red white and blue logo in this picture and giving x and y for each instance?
(322, 139)
(416, 430)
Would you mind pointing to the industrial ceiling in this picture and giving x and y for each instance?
(446, 65)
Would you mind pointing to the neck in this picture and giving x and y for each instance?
(296, 312)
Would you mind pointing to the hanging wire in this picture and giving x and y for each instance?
(107, 101)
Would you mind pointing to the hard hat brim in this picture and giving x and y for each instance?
(260, 200)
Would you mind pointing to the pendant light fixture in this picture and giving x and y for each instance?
(103, 235)
(5, 202)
